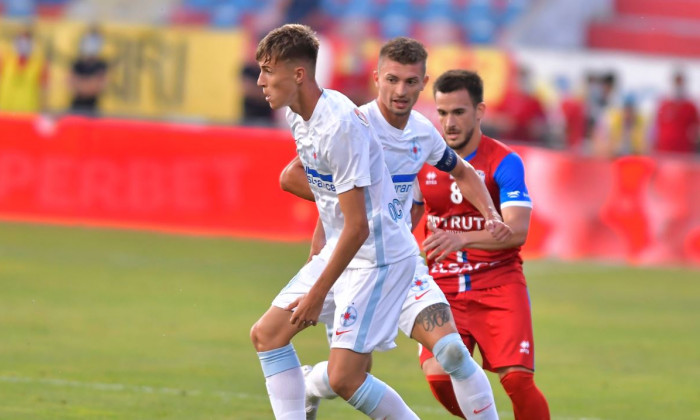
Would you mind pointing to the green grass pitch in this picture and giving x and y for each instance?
(108, 324)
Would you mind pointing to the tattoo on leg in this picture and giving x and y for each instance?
(434, 316)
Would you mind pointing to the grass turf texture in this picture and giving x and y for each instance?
(101, 324)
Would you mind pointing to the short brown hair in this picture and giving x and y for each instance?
(289, 42)
(453, 80)
(404, 50)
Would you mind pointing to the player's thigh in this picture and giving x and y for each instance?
(274, 329)
(368, 303)
(425, 303)
(501, 323)
(300, 285)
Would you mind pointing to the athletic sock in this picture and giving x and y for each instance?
(469, 382)
(379, 401)
(528, 401)
(317, 384)
(441, 386)
(284, 381)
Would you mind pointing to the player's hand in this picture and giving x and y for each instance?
(440, 244)
(498, 229)
(306, 311)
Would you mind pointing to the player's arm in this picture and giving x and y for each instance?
(355, 232)
(318, 240)
(469, 184)
(440, 243)
(293, 180)
(516, 207)
(474, 190)
(417, 208)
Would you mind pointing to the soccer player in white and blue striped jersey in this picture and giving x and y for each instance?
(369, 253)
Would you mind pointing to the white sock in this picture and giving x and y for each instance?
(285, 382)
(471, 386)
(317, 382)
(380, 402)
(474, 396)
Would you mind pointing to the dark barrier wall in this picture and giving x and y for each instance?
(224, 181)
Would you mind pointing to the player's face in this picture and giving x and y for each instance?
(458, 116)
(399, 85)
(278, 80)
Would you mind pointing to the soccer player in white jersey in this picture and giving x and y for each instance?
(410, 140)
(369, 254)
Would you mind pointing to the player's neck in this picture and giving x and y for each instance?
(307, 98)
(472, 145)
(397, 121)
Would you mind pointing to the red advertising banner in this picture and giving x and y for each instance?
(224, 181)
(213, 180)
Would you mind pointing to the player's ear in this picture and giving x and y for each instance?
(480, 110)
(426, 79)
(375, 76)
(299, 74)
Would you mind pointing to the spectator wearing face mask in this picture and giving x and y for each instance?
(88, 78)
(23, 75)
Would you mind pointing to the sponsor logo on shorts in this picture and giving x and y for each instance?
(419, 284)
(421, 295)
(525, 347)
(348, 317)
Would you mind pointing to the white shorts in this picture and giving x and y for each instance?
(363, 306)
(422, 293)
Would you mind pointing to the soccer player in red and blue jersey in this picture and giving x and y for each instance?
(482, 278)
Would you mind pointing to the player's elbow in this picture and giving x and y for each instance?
(285, 182)
(519, 238)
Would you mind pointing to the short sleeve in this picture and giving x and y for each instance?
(436, 148)
(510, 177)
(348, 155)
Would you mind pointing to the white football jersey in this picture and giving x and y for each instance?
(339, 151)
(405, 151)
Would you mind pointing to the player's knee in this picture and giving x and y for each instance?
(259, 337)
(453, 356)
(255, 335)
(431, 367)
(345, 385)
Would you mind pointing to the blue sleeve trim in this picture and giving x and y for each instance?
(510, 177)
(448, 161)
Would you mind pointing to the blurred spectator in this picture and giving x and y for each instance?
(256, 110)
(621, 131)
(23, 75)
(677, 120)
(88, 78)
(601, 93)
(570, 116)
(520, 116)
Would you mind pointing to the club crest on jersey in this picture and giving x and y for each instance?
(349, 316)
(362, 117)
(415, 151)
(419, 284)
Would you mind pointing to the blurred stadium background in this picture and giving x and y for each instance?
(599, 97)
